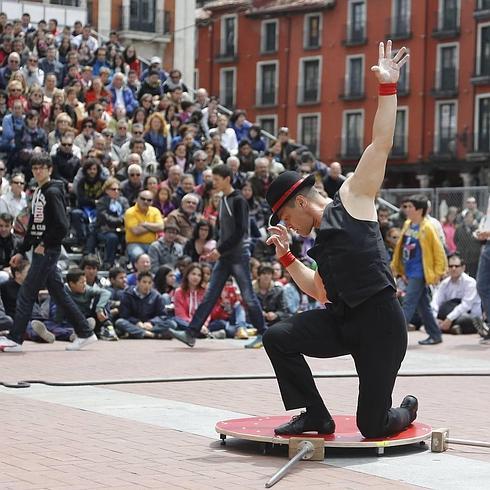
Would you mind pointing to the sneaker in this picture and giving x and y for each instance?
(480, 326)
(91, 323)
(255, 344)
(456, 329)
(107, 332)
(218, 334)
(7, 345)
(41, 330)
(241, 333)
(80, 343)
(484, 341)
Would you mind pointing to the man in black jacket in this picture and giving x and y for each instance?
(47, 227)
(232, 257)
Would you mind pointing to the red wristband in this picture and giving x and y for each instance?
(387, 89)
(287, 259)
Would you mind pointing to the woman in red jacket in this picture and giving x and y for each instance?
(189, 296)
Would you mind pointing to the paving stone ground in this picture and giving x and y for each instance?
(48, 445)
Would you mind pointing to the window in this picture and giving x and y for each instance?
(403, 85)
(356, 25)
(312, 31)
(483, 4)
(448, 15)
(309, 130)
(269, 36)
(228, 36)
(267, 82)
(445, 131)
(401, 133)
(400, 21)
(447, 67)
(228, 87)
(353, 129)
(268, 123)
(142, 15)
(309, 88)
(354, 79)
(167, 22)
(483, 50)
(482, 123)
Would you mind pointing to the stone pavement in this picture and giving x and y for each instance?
(161, 435)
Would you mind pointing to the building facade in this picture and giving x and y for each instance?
(305, 64)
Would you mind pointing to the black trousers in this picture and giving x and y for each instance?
(465, 321)
(374, 333)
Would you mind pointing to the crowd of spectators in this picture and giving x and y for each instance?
(134, 149)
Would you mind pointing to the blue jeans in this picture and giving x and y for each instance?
(239, 268)
(111, 242)
(417, 299)
(134, 250)
(160, 325)
(483, 279)
(44, 272)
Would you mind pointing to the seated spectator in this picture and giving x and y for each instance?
(109, 222)
(175, 173)
(142, 264)
(239, 178)
(142, 223)
(14, 201)
(278, 274)
(151, 183)
(187, 186)
(256, 141)
(247, 156)
(131, 58)
(122, 95)
(155, 64)
(199, 159)
(163, 200)
(8, 244)
(118, 282)
(239, 123)
(133, 185)
(189, 295)
(184, 218)
(32, 73)
(174, 81)
(65, 163)
(156, 133)
(261, 178)
(141, 311)
(6, 322)
(166, 250)
(391, 239)
(62, 124)
(271, 296)
(220, 153)
(151, 85)
(196, 247)
(85, 139)
(90, 265)
(9, 290)
(292, 294)
(258, 212)
(35, 102)
(16, 93)
(211, 210)
(92, 301)
(164, 283)
(100, 60)
(456, 303)
(49, 64)
(13, 124)
(147, 154)
(227, 135)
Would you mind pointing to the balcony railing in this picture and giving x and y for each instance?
(482, 10)
(446, 83)
(445, 148)
(266, 98)
(350, 147)
(226, 52)
(447, 24)
(482, 73)
(398, 28)
(308, 95)
(399, 149)
(477, 146)
(351, 90)
(355, 35)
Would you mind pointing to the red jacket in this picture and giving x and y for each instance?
(186, 303)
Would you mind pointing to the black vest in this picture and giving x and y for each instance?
(351, 256)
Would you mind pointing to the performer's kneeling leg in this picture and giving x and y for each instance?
(312, 333)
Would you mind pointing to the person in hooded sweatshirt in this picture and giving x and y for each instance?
(48, 225)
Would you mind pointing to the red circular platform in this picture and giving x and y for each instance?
(346, 434)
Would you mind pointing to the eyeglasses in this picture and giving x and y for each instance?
(114, 189)
(137, 132)
(15, 90)
(145, 199)
(2, 169)
(134, 175)
(13, 62)
(18, 182)
(122, 127)
(37, 95)
(108, 135)
(455, 266)
(32, 60)
(194, 203)
(66, 145)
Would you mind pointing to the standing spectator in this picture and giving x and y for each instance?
(142, 223)
(471, 205)
(449, 228)
(141, 311)
(420, 260)
(109, 223)
(166, 250)
(468, 247)
(47, 228)
(334, 180)
(483, 276)
(456, 303)
(232, 255)
(184, 218)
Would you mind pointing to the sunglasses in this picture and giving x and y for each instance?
(145, 199)
(66, 145)
(17, 182)
(13, 62)
(2, 169)
(115, 189)
(123, 127)
(137, 132)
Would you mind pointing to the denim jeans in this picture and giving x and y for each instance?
(160, 325)
(483, 279)
(44, 272)
(239, 268)
(111, 242)
(417, 299)
(134, 250)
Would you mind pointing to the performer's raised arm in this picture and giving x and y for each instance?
(370, 171)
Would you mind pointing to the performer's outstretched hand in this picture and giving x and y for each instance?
(388, 69)
(279, 237)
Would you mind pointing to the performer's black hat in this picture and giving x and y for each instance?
(283, 188)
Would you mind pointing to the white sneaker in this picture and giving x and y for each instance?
(7, 345)
(40, 328)
(80, 343)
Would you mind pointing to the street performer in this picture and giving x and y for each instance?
(362, 317)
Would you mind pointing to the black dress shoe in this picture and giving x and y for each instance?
(412, 405)
(184, 336)
(430, 341)
(305, 423)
